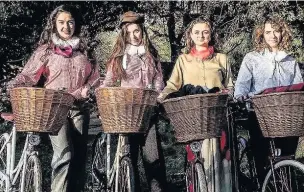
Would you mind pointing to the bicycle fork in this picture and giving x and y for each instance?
(193, 157)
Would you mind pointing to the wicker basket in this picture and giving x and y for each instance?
(197, 117)
(280, 114)
(40, 110)
(125, 110)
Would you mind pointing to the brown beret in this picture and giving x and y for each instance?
(131, 17)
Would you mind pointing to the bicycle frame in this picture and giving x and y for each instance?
(12, 173)
(233, 123)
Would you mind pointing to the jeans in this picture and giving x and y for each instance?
(70, 151)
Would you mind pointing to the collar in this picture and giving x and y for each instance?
(274, 56)
(132, 50)
(135, 50)
(58, 42)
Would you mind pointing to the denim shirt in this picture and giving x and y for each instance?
(262, 70)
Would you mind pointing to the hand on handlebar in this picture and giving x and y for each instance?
(85, 92)
(243, 99)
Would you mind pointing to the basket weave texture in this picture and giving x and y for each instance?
(40, 110)
(125, 110)
(197, 117)
(280, 114)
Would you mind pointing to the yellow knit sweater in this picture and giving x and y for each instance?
(214, 72)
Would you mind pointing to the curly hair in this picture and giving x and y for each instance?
(278, 24)
(115, 61)
(187, 35)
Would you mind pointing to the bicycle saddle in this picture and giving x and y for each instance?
(7, 116)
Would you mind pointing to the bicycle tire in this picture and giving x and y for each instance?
(280, 165)
(3, 163)
(126, 179)
(4, 153)
(33, 176)
(98, 168)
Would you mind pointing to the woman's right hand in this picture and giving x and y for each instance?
(161, 97)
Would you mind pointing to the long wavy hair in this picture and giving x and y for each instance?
(115, 61)
(187, 35)
(50, 28)
(277, 23)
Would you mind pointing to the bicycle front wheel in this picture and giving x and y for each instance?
(33, 179)
(287, 176)
(126, 180)
(4, 158)
(98, 168)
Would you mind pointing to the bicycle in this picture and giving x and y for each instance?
(196, 118)
(244, 174)
(284, 172)
(26, 175)
(118, 174)
(28, 168)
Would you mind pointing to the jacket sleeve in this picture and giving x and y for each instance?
(176, 80)
(244, 79)
(93, 81)
(158, 79)
(226, 69)
(228, 79)
(109, 79)
(298, 77)
(32, 70)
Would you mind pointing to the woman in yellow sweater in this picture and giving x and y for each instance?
(202, 65)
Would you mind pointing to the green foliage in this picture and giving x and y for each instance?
(22, 23)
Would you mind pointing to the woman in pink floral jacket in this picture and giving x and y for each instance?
(61, 61)
(135, 63)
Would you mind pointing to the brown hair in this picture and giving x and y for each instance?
(187, 34)
(115, 61)
(50, 28)
(278, 24)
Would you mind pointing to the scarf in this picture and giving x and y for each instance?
(132, 50)
(65, 47)
(204, 54)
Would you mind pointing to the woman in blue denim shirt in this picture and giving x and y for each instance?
(268, 66)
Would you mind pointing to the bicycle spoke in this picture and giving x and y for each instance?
(288, 178)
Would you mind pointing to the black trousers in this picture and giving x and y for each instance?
(151, 166)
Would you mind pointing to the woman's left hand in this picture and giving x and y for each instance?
(85, 92)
